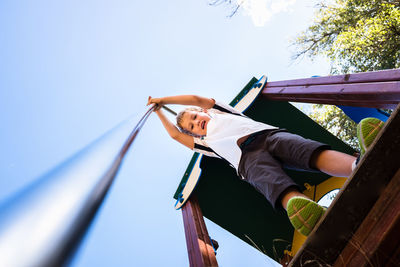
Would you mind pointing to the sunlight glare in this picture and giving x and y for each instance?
(261, 11)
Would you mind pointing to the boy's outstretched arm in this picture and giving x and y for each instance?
(193, 100)
(177, 135)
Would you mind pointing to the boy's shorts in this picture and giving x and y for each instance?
(263, 159)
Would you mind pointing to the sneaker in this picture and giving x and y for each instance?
(304, 214)
(367, 130)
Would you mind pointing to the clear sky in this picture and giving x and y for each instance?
(71, 70)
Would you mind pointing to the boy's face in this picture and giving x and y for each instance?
(195, 122)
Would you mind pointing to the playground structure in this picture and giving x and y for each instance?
(351, 232)
(336, 241)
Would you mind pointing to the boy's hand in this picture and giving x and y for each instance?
(156, 102)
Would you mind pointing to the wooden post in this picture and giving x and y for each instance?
(377, 239)
(379, 89)
(200, 250)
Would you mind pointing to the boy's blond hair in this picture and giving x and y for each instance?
(179, 119)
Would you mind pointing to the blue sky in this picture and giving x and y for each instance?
(71, 70)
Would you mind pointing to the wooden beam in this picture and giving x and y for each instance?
(352, 205)
(364, 77)
(200, 249)
(379, 89)
(395, 258)
(378, 237)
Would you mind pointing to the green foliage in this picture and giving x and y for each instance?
(356, 35)
(336, 121)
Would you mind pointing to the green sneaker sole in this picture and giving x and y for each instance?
(304, 214)
(367, 130)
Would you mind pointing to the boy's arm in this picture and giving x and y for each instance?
(193, 100)
(177, 135)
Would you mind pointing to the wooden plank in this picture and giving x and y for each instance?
(200, 250)
(394, 261)
(356, 199)
(377, 95)
(365, 77)
(386, 207)
(191, 239)
(204, 234)
(200, 236)
(327, 101)
(378, 236)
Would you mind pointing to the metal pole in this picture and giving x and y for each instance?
(169, 110)
(43, 224)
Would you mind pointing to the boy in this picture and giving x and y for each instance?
(257, 151)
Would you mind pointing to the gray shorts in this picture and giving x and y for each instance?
(264, 157)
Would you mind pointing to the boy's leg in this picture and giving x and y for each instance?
(265, 173)
(339, 164)
(333, 162)
(288, 194)
(367, 130)
(303, 213)
(294, 150)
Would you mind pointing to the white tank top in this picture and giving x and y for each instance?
(224, 130)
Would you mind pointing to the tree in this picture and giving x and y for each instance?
(356, 35)
(336, 121)
(233, 5)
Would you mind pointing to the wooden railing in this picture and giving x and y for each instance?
(379, 89)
